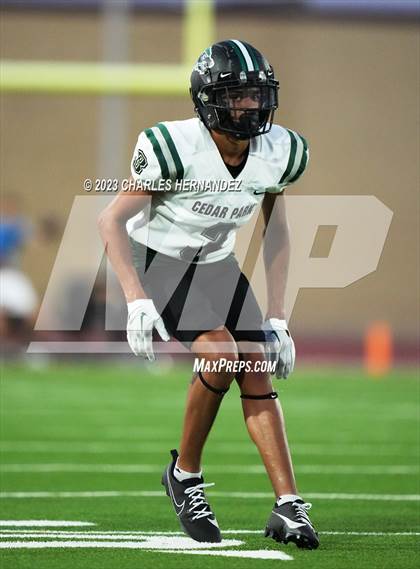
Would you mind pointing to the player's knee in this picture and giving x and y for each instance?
(215, 344)
(218, 354)
(255, 375)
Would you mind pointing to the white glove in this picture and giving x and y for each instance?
(279, 346)
(142, 318)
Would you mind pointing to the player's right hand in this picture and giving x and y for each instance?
(279, 346)
(142, 318)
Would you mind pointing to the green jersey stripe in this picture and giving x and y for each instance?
(303, 161)
(239, 53)
(292, 156)
(165, 151)
(174, 153)
(301, 168)
(304, 141)
(299, 153)
(159, 154)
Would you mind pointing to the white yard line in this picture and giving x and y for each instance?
(211, 469)
(178, 545)
(93, 533)
(372, 533)
(229, 447)
(361, 533)
(23, 534)
(239, 495)
(260, 554)
(42, 523)
(355, 469)
(78, 535)
(150, 542)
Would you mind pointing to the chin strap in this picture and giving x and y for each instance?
(210, 387)
(271, 395)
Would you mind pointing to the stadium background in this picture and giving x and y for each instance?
(349, 81)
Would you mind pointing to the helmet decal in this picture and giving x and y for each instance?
(205, 61)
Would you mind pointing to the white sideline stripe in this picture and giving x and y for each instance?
(42, 523)
(260, 554)
(240, 495)
(240, 447)
(23, 534)
(215, 469)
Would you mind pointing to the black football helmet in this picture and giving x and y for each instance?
(234, 89)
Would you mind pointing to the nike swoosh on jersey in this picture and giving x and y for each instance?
(223, 75)
(290, 523)
(256, 193)
(180, 506)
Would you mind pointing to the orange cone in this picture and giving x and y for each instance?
(378, 349)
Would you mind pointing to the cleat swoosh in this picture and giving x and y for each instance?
(290, 523)
(179, 508)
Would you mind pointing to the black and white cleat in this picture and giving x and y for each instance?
(289, 521)
(190, 505)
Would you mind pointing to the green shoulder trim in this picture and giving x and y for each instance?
(172, 149)
(292, 156)
(159, 154)
(303, 162)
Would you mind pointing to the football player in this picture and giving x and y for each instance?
(173, 254)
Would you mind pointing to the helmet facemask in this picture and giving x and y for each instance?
(243, 109)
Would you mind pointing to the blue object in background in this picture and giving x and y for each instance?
(12, 236)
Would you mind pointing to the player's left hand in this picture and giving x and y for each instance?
(279, 346)
(142, 319)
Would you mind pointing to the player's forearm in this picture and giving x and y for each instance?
(117, 247)
(276, 261)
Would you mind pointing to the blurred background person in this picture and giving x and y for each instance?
(18, 298)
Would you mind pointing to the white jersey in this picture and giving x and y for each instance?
(200, 223)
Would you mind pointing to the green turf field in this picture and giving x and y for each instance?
(87, 443)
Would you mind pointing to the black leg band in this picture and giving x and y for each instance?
(272, 395)
(210, 387)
